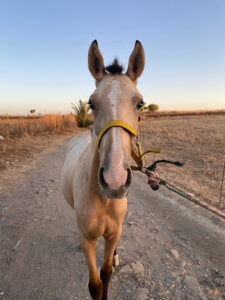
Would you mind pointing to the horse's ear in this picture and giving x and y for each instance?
(136, 61)
(95, 61)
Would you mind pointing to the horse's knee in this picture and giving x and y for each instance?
(95, 290)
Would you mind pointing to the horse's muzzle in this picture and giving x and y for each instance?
(120, 193)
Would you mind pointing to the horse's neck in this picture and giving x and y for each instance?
(93, 156)
(91, 161)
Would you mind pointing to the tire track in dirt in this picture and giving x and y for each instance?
(168, 249)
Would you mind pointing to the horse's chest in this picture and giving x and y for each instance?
(111, 225)
(97, 221)
(102, 226)
(96, 226)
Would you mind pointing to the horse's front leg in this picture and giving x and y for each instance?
(95, 283)
(106, 270)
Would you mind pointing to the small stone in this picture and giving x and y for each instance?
(177, 276)
(219, 282)
(142, 294)
(220, 274)
(121, 247)
(175, 253)
(51, 179)
(126, 270)
(138, 268)
(213, 293)
(193, 287)
(178, 279)
(216, 292)
(209, 283)
(131, 224)
(174, 274)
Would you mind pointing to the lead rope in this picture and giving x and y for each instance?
(154, 180)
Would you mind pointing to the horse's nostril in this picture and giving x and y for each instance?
(129, 177)
(114, 191)
(105, 184)
(101, 178)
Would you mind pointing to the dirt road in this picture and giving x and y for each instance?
(170, 249)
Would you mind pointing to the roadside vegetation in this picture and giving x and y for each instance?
(81, 111)
(15, 126)
(22, 126)
(153, 107)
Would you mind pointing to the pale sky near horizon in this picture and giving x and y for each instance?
(44, 45)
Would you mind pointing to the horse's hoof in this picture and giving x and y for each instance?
(116, 260)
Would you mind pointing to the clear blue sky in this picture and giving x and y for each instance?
(44, 45)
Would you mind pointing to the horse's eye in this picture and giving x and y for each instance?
(91, 105)
(140, 104)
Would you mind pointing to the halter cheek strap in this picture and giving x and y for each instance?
(137, 157)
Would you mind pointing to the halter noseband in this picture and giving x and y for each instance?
(137, 157)
(115, 123)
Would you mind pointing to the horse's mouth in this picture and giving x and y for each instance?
(120, 193)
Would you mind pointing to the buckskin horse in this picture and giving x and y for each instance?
(96, 176)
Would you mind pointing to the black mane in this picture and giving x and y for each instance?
(114, 68)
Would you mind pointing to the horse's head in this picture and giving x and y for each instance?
(115, 98)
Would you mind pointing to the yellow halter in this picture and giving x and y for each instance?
(115, 123)
(137, 157)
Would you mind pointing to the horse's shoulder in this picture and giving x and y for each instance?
(79, 141)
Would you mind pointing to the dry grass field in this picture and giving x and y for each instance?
(25, 135)
(21, 126)
(199, 142)
(196, 138)
(173, 113)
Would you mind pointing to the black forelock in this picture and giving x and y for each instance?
(114, 68)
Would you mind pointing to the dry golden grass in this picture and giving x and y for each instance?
(199, 141)
(21, 126)
(170, 113)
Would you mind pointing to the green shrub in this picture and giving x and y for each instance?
(81, 111)
(153, 107)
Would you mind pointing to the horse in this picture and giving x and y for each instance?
(96, 176)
